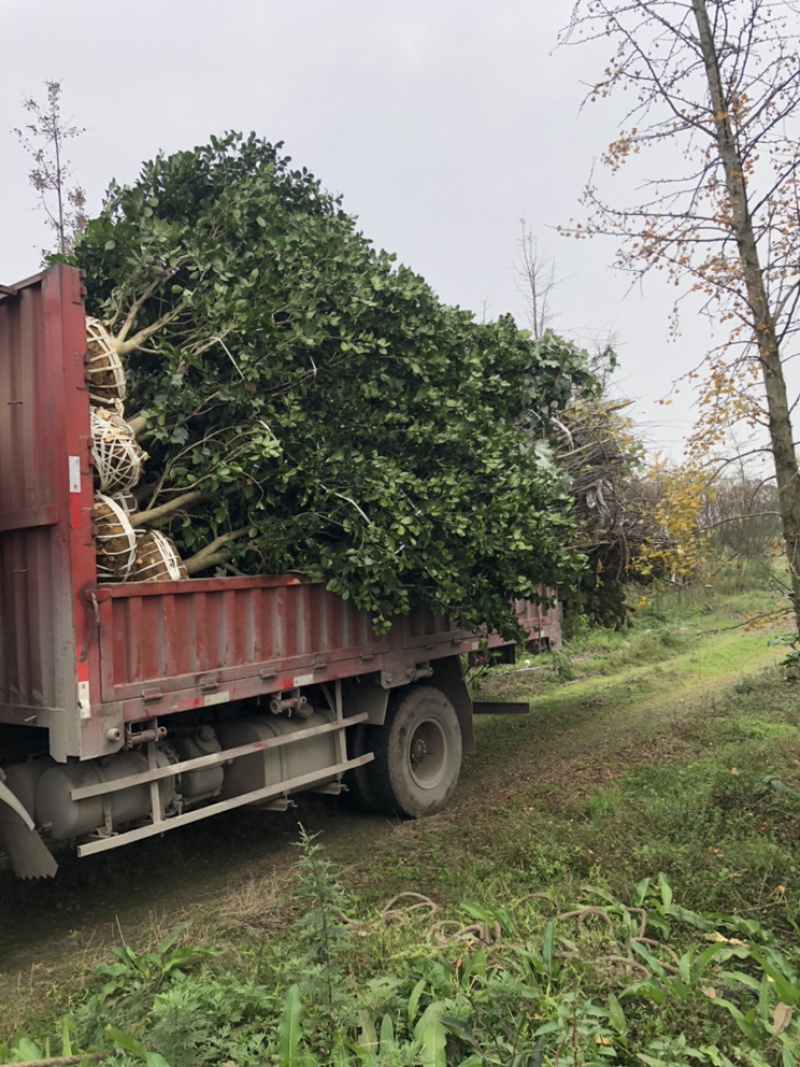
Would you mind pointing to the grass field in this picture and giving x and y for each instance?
(616, 881)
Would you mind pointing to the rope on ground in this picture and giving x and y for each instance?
(487, 935)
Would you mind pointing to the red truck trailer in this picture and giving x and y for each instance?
(132, 708)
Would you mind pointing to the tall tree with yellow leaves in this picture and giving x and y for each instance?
(715, 82)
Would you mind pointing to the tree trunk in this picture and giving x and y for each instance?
(780, 425)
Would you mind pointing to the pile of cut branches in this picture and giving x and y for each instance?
(616, 523)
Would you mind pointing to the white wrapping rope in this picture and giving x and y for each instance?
(106, 373)
(127, 501)
(157, 559)
(113, 525)
(118, 458)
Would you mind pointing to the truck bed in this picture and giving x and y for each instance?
(81, 659)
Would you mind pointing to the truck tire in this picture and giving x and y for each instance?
(417, 752)
(363, 787)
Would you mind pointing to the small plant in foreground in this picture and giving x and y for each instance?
(153, 969)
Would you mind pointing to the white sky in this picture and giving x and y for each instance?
(441, 121)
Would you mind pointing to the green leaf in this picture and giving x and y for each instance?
(26, 1049)
(155, 1059)
(172, 937)
(387, 1034)
(666, 890)
(649, 988)
(431, 1035)
(339, 1053)
(617, 1015)
(289, 1031)
(649, 958)
(692, 918)
(66, 1037)
(547, 1028)
(125, 1041)
(413, 1002)
(367, 1037)
(551, 964)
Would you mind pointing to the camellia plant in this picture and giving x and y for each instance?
(309, 406)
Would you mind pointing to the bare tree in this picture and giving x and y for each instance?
(742, 517)
(43, 138)
(535, 277)
(714, 82)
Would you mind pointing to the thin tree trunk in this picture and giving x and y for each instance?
(213, 553)
(780, 425)
(152, 516)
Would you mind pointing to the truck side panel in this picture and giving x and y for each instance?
(176, 646)
(41, 522)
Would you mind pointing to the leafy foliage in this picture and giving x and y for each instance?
(562, 952)
(636, 522)
(676, 496)
(606, 981)
(319, 400)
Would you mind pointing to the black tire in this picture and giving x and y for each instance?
(417, 752)
(363, 789)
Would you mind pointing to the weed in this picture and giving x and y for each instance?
(323, 936)
(601, 804)
(562, 665)
(151, 970)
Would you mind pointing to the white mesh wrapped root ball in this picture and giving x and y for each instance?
(117, 457)
(106, 373)
(115, 540)
(157, 559)
(127, 501)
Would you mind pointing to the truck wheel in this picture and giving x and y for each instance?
(362, 785)
(417, 752)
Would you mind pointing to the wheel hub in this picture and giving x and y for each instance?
(427, 754)
(419, 750)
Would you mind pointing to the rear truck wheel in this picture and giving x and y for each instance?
(362, 783)
(417, 752)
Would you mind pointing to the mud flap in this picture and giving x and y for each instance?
(501, 707)
(29, 856)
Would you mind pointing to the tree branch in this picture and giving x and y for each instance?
(153, 515)
(210, 556)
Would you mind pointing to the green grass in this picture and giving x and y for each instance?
(669, 750)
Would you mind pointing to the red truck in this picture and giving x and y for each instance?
(132, 708)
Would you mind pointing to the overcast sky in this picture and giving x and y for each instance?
(441, 122)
